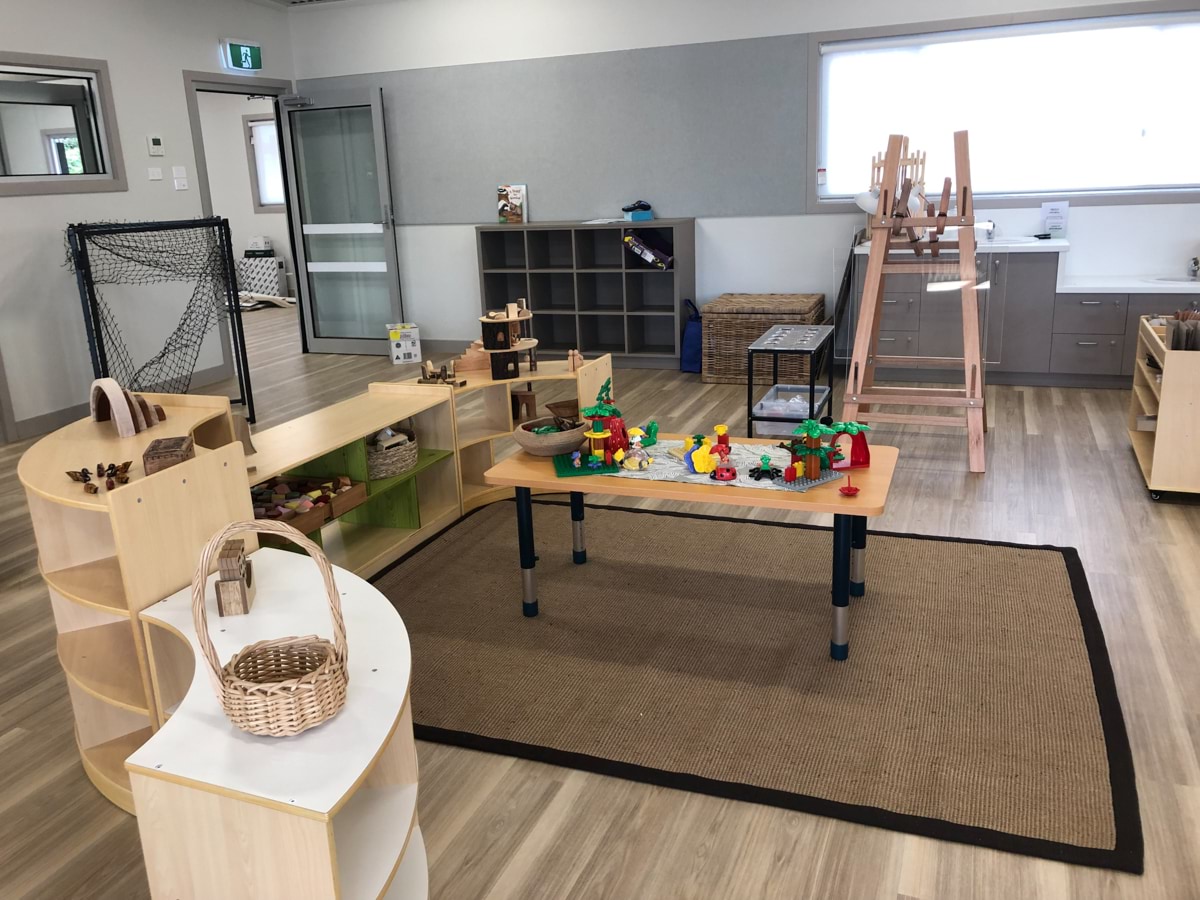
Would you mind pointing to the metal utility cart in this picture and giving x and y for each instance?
(804, 340)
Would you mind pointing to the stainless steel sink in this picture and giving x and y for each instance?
(1004, 240)
(1171, 279)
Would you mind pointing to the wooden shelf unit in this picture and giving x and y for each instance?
(587, 291)
(329, 813)
(401, 511)
(484, 423)
(105, 557)
(1165, 455)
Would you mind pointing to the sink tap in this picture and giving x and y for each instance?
(1194, 268)
(990, 231)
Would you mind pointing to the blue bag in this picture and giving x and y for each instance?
(690, 346)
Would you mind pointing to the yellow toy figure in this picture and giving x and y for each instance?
(637, 458)
(703, 460)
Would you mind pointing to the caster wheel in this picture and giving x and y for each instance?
(1155, 496)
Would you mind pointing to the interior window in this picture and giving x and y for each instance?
(54, 133)
(1091, 105)
(266, 170)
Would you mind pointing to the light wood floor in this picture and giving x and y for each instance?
(1060, 472)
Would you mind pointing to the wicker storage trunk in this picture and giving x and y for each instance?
(733, 322)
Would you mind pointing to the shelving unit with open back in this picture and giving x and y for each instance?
(484, 421)
(1166, 394)
(107, 556)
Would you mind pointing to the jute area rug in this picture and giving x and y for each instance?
(977, 704)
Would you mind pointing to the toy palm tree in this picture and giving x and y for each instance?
(811, 431)
(860, 453)
(605, 411)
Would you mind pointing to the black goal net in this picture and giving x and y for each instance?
(138, 280)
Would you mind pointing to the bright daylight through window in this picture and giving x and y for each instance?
(268, 172)
(1085, 106)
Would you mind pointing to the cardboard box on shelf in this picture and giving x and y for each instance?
(404, 339)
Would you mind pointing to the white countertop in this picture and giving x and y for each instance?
(999, 245)
(1124, 284)
(314, 770)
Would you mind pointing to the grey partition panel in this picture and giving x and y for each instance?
(702, 129)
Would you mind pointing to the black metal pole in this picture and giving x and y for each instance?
(83, 282)
(839, 642)
(241, 362)
(529, 603)
(578, 548)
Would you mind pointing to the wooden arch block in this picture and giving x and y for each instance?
(109, 402)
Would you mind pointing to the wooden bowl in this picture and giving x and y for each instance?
(553, 444)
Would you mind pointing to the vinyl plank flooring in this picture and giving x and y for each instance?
(1060, 472)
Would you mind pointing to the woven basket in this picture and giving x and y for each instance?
(553, 444)
(395, 461)
(733, 322)
(283, 686)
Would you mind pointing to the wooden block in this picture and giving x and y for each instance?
(505, 365)
(235, 597)
(231, 561)
(166, 452)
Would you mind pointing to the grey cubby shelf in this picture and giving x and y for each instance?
(587, 291)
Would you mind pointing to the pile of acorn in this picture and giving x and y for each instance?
(112, 474)
(285, 500)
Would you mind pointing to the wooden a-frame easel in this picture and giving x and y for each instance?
(894, 227)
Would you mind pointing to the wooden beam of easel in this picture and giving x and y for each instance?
(897, 173)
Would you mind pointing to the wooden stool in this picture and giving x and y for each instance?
(524, 406)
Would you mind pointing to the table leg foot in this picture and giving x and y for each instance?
(839, 643)
(579, 550)
(529, 603)
(858, 557)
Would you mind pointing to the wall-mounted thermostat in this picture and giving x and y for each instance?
(154, 144)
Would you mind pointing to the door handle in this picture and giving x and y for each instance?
(1089, 302)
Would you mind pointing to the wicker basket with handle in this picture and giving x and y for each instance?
(283, 686)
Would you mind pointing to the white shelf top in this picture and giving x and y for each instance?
(1126, 284)
(314, 770)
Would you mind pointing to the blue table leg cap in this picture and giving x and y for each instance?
(839, 651)
(529, 609)
(858, 589)
(579, 556)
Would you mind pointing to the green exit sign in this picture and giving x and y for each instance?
(242, 56)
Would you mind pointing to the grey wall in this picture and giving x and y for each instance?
(699, 130)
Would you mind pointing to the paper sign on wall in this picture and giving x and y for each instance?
(1054, 218)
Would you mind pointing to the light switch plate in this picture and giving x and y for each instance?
(179, 171)
(181, 184)
(154, 173)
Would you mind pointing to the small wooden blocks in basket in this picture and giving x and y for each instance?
(391, 456)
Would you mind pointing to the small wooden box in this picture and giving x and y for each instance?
(496, 335)
(235, 580)
(166, 452)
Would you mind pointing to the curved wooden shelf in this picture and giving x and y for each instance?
(43, 467)
(96, 584)
(477, 495)
(411, 878)
(104, 765)
(103, 662)
(478, 433)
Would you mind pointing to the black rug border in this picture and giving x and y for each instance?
(1127, 855)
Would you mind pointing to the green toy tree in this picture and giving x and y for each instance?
(603, 407)
(810, 432)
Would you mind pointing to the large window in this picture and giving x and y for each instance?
(56, 131)
(1094, 105)
(266, 171)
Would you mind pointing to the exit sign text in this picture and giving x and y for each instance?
(242, 56)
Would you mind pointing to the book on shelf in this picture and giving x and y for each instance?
(512, 203)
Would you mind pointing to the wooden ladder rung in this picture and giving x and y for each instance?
(906, 419)
(925, 362)
(874, 397)
(898, 390)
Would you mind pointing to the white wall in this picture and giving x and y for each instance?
(229, 182)
(147, 46)
(767, 254)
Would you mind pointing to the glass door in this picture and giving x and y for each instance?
(342, 218)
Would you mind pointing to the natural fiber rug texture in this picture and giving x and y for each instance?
(977, 704)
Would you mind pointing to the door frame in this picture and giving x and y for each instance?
(333, 99)
(223, 83)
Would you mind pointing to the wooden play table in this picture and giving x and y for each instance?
(529, 473)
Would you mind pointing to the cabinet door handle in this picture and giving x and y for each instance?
(1087, 343)
(884, 340)
(891, 301)
(1089, 302)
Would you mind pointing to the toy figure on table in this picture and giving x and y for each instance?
(765, 470)
(860, 453)
(637, 458)
(725, 470)
(606, 417)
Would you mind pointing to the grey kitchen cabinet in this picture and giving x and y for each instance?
(1027, 321)
(941, 314)
(1146, 305)
(1090, 313)
(1086, 354)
